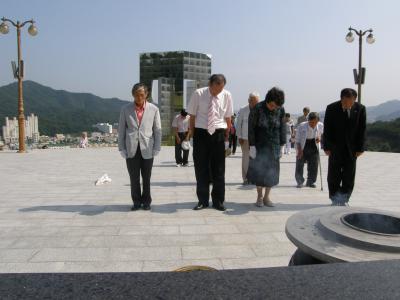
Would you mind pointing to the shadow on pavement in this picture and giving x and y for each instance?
(235, 209)
(169, 208)
(176, 184)
(87, 210)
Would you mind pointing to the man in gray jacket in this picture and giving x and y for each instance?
(139, 140)
(303, 118)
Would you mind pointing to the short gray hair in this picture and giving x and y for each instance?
(254, 94)
(139, 86)
(313, 116)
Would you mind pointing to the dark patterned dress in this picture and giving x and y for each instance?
(267, 132)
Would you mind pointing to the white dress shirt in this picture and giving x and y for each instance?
(182, 123)
(242, 123)
(311, 133)
(199, 105)
(305, 132)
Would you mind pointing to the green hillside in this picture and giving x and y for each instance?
(384, 136)
(59, 111)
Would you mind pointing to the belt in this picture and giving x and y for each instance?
(218, 129)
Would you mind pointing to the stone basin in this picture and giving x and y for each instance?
(345, 234)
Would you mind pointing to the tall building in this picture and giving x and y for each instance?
(11, 129)
(172, 78)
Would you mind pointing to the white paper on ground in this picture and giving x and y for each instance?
(102, 180)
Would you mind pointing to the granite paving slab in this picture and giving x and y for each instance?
(54, 219)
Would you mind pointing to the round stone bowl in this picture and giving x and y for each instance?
(344, 234)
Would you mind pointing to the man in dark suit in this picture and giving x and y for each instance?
(343, 142)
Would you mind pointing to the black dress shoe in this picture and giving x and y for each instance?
(311, 185)
(220, 207)
(146, 206)
(200, 206)
(135, 207)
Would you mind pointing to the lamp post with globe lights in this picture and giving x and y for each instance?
(19, 73)
(359, 76)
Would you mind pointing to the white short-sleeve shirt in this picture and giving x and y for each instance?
(199, 105)
(182, 123)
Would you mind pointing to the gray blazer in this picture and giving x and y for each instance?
(148, 134)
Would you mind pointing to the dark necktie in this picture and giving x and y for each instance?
(346, 113)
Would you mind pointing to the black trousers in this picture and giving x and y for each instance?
(209, 161)
(138, 165)
(341, 173)
(310, 156)
(178, 150)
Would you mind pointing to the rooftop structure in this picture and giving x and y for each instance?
(172, 77)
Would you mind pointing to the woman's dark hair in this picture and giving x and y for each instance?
(287, 115)
(139, 86)
(217, 78)
(183, 112)
(275, 95)
(348, 93)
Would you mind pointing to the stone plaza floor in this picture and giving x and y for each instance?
(54, 219)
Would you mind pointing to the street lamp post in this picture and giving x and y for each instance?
(19, 73)
(359, 76)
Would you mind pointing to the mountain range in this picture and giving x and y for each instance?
(387, 111)
(59, 111)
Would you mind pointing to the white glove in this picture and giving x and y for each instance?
(226, 145)
(124, 154)
(253, 152)
(156, 152)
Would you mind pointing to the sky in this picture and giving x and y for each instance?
(94, 45)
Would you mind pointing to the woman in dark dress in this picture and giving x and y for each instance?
(267, 133)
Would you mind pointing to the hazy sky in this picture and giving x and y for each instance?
(93, 46)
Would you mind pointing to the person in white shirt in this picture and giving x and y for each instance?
(308, 137)
(84, 143)
(210, 110)
(289, 133)
(180, 124)
(242, 129)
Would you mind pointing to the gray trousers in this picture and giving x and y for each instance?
(245, 158)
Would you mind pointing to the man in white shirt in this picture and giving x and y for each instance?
(308, 137)
(242, 130)
(210, 110)
(180, 124)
